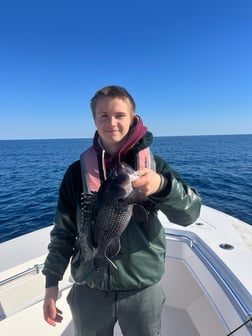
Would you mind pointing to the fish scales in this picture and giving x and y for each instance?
(110, 215)
(114, 217)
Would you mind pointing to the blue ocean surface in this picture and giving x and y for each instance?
(219, 167)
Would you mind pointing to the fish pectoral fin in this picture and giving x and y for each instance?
(140, 214)
(136, 196)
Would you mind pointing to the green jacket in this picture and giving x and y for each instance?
(140, 261)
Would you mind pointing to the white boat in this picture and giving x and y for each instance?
(208, 281)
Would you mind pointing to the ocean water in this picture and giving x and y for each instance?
(219, 167)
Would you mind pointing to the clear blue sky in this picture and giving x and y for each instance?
(188, 64)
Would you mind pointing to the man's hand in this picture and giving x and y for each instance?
(52, 314)
(148, 183)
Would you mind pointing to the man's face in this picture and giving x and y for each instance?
(113, 118)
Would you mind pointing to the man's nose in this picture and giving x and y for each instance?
(111, 120)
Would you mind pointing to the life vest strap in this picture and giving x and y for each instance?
(90, 170)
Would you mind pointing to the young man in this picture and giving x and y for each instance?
(131, 293)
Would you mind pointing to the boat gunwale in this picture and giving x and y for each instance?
(233, 288)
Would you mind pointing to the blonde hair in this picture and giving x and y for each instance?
(113, 91)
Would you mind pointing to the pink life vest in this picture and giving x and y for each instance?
(90, 170)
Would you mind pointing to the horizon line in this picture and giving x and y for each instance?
(154, 136)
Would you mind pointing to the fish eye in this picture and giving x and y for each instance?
(113, 174)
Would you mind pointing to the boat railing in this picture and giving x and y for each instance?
(234, 289)
(21, 297)
(35, 269)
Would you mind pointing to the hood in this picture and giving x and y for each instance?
(138, 138)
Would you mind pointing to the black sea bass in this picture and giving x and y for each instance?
(111, 212)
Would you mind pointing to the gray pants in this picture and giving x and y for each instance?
(95, 313)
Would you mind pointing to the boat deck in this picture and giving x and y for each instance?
(203, 294)
(30, 321)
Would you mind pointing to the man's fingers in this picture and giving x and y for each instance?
(50, 321)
